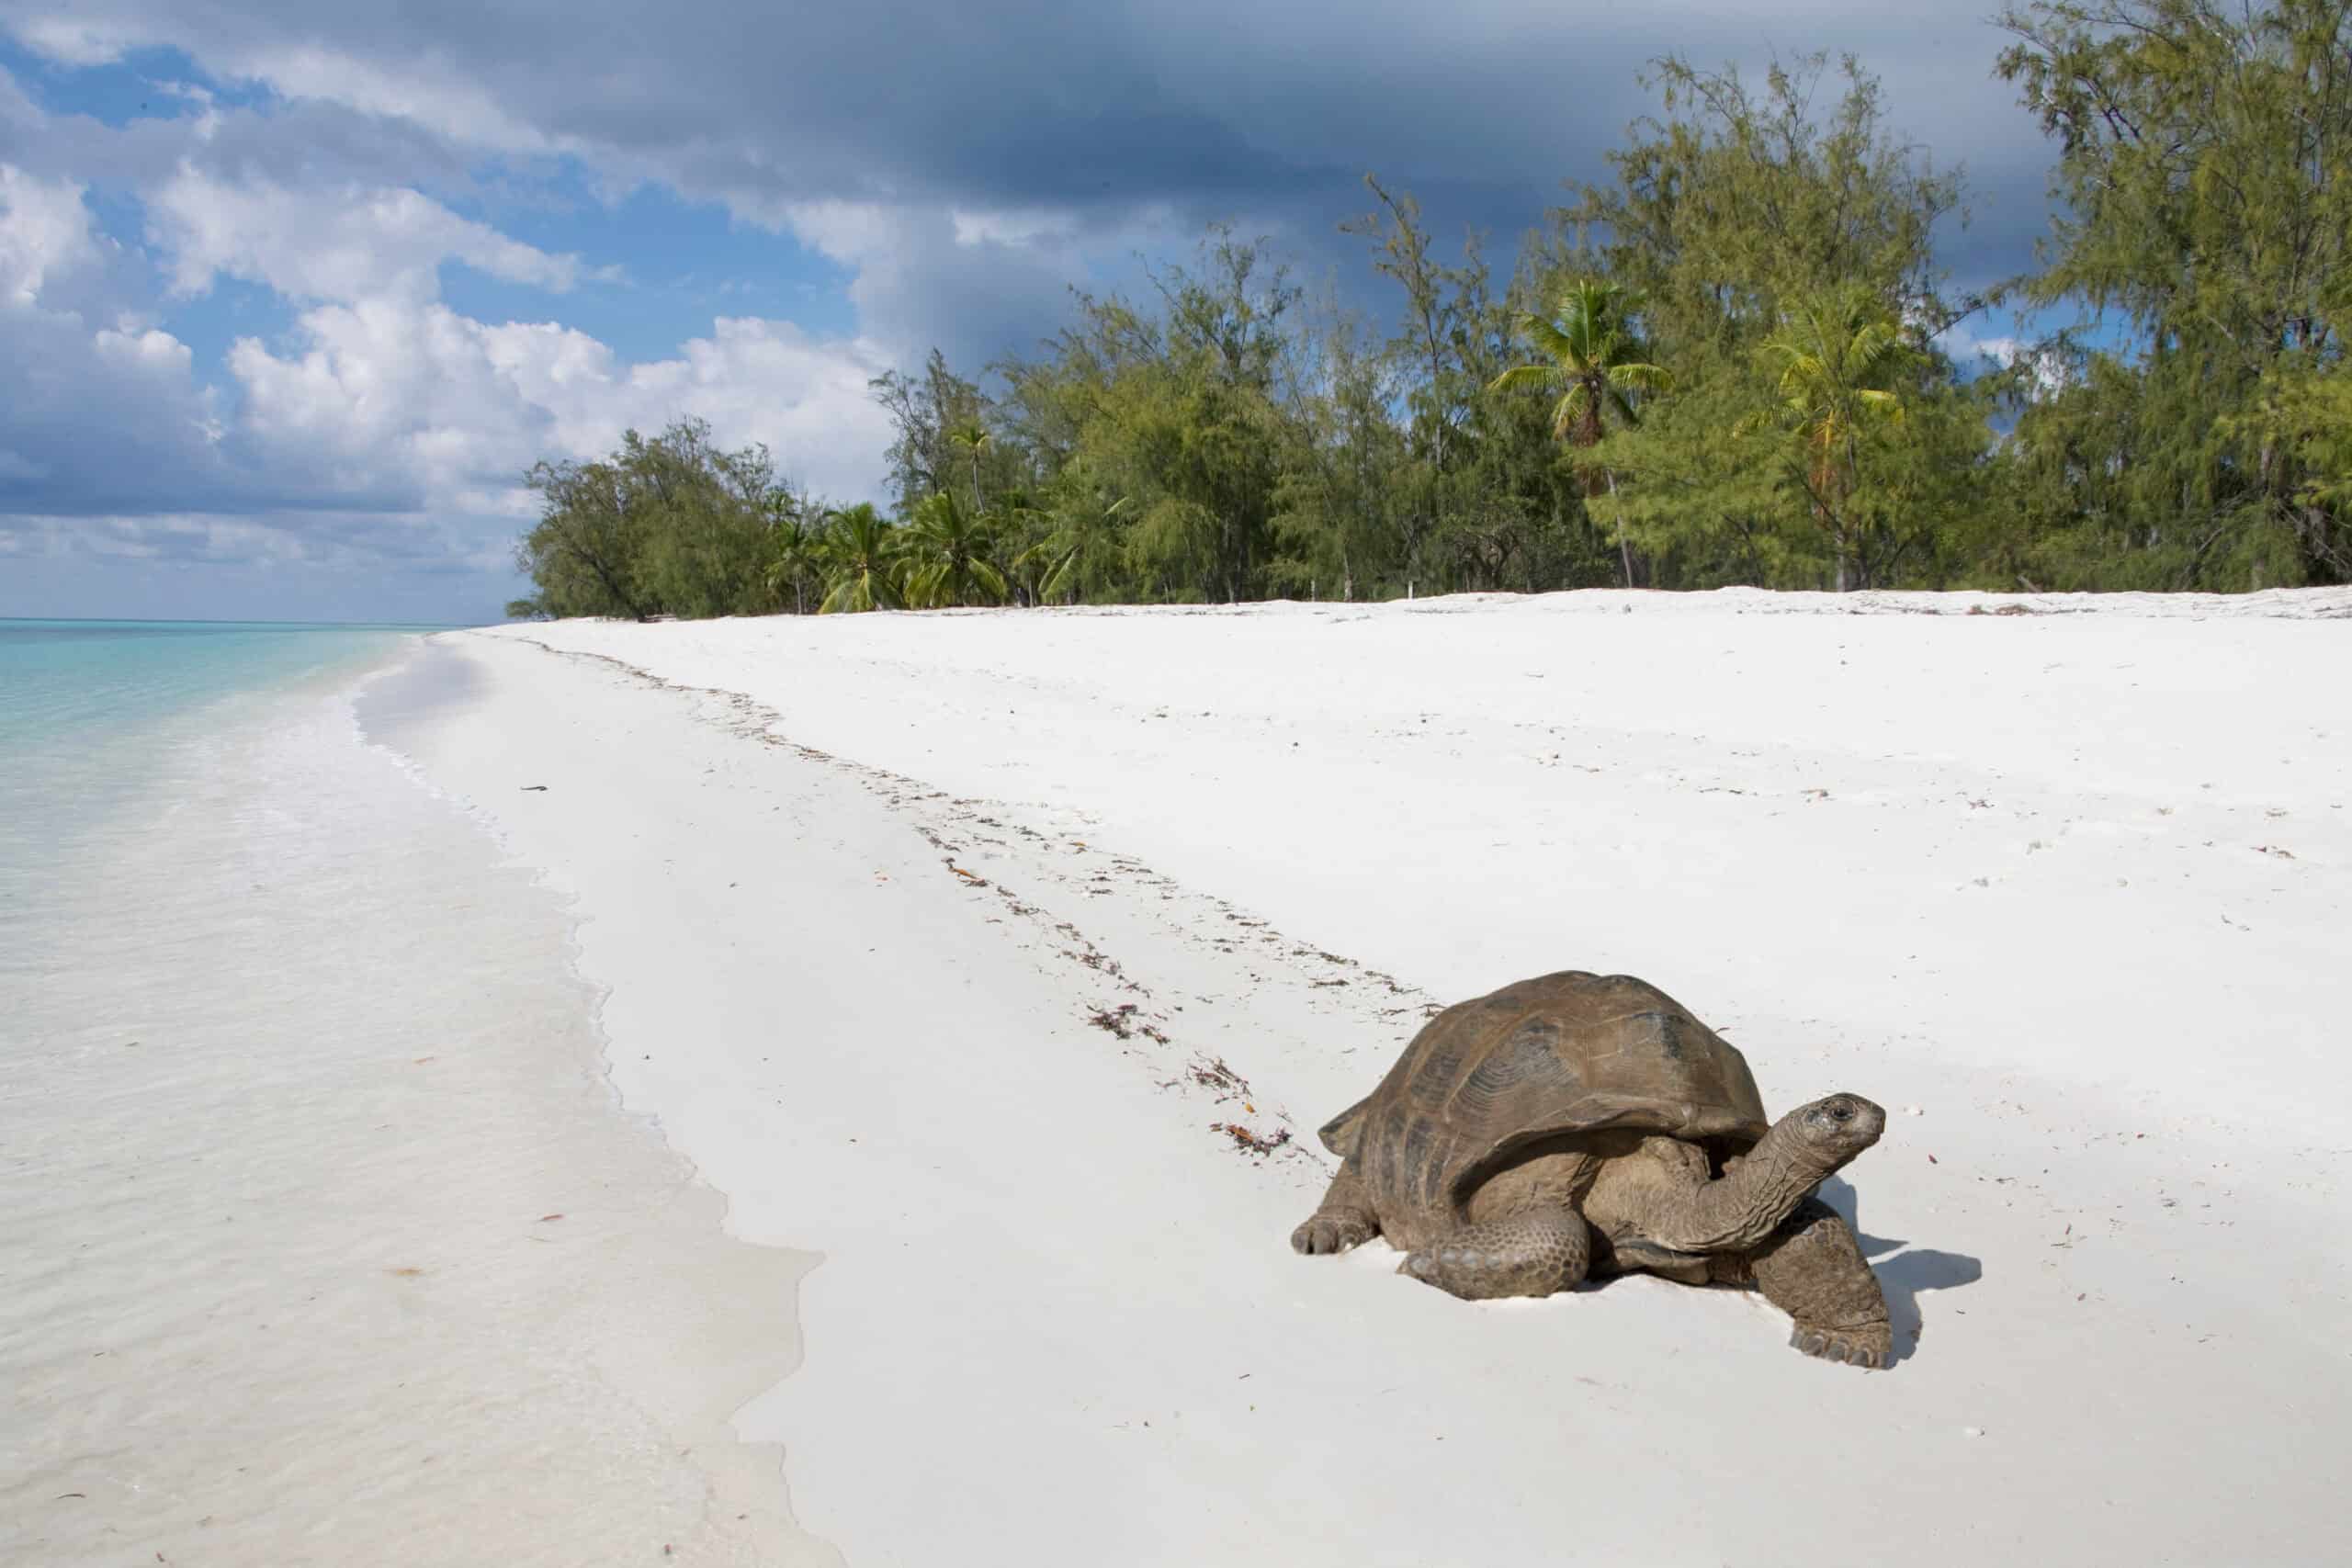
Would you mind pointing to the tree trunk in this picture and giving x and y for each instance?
(1625, 551)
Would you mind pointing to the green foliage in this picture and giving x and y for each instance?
(1838, 360)
(1788, 279)
(1183, 408)
(941, 435)
(1737, 202)
(795, 559)
(1736, 339)
(672, 526)
(1081, 554)
(1595, 363)
(707, 516)
(1592, 357)
(1480, 497)
(1346, 504)
(2204, 189)
(944, 555)
(862, 562)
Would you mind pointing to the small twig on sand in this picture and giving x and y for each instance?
(1249, 1142)
(1212, 1072)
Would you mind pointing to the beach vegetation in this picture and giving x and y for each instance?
(1597, 364)
(863, 565)
(1838, 360)
(795, 569)
(945, 555)
(2203, 196)
(1735, 357)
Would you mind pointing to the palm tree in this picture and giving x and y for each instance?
(1836, 354)
(972, 437)
(1593, 358)
(862, 560)
(797, 549)
(1084, 539)
(1012, 525)
(945, 550)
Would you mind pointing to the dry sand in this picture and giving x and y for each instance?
(2070, 884)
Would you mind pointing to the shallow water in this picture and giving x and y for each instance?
(322, 1238)
(90, 709)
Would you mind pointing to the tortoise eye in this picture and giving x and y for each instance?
(1840, 1111)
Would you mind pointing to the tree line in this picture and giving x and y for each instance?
(1722, 363)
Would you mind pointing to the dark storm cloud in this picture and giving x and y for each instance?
(1091, 109)
(303, 143)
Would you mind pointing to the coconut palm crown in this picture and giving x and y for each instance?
(1593, 356)
(862, 562)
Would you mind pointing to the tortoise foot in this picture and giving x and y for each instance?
(1463, 1271)
(1866, 1346)
(1329, 1230)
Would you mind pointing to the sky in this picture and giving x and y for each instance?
(291, 295)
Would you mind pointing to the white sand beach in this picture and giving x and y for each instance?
(2065, 890)
(952, 950)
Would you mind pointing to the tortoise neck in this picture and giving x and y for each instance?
(1780, 1171)
(1741, 1208)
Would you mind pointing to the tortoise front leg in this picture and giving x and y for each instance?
(1345, 1220)
(1530, 1252)
(1811, 1268)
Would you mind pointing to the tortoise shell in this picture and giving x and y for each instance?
(1562, 1053)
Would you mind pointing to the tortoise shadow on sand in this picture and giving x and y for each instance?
(1904, 1274)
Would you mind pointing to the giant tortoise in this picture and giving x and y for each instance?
(1580, 1125)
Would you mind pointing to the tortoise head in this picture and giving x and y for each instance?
(1833, 1130)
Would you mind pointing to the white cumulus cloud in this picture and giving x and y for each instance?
(44, 230)
(2048, 369)
(421, 406)
(347, 244)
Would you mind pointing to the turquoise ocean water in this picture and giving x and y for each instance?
(286, 1041)
(97, 723)
(65, 681)
(84, 705)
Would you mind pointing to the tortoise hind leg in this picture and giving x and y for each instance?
(1812, 1268)
(1345, 1220)
(1531, 1252)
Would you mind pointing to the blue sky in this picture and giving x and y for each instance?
(295, 296)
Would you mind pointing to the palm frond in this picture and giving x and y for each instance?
(1652, 380)
(1571, 408)
(1886, 405)
(1519, 375)
(1563, 345)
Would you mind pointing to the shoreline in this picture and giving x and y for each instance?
(329, 1242)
